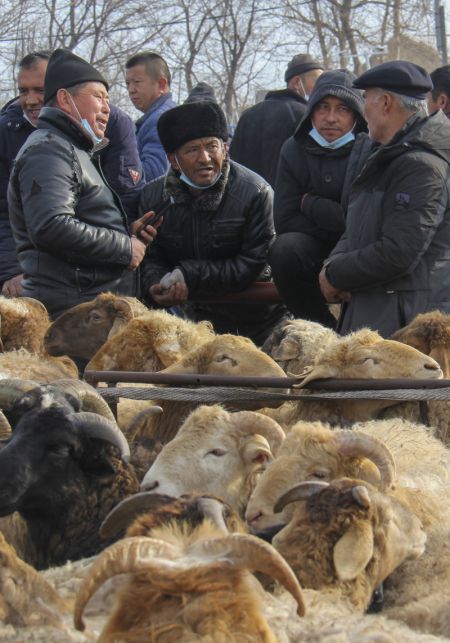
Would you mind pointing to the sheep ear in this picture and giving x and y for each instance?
(353, 551)
(319, 372)
(257, 450)
(123, 314)
(288, 349)
(442, 356)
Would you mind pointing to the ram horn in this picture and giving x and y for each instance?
(128, 555)
(253, 422)
(13, 388)
(96, 426)
(5, 427)
(133, 429)
(354, 443)
(252, 553)
(90, 399)
(128, 509)
(301, 491)
(213, 509)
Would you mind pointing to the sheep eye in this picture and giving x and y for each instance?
(59, 450)
(225, 358)
(320, 475)
(95, 317)
(217, 452)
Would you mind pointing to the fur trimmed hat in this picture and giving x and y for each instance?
(189, 121)
(65, 69)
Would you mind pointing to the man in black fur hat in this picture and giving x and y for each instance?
(218, 229)
(70, 229)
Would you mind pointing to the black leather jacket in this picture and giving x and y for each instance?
(70, 229)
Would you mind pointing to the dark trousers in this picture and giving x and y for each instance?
(296, 260)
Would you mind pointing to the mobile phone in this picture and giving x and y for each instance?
(159, 212)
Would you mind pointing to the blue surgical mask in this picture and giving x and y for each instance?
(86, 126)
(332, 145)
(191, 184)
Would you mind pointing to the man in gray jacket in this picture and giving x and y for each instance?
(393, 260)
(70, 229)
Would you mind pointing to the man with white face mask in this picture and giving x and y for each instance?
(71, 232)
(315, 171)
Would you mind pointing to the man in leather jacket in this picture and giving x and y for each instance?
(71, 233)
(218, 229)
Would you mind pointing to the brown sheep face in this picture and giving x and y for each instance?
(351, 536)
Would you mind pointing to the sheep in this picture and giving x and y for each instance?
(24, 322)
(188, 583)
(347, 537)
(23, 364)
(363, 354)
(216, 452)
(294, 343)
(430, 334)
(150, 342)
(223, 355)
(382, 452)
(60, 471)
(82, 329)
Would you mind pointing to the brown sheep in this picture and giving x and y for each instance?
(188, 583)
(150, 343)
(81, 330)
(430, 334)
(25, 365)
(24, 322)
(347, 536)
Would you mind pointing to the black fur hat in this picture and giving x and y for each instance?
(186, 122)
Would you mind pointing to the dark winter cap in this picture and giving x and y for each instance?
(300, 64)
(186, 122)
(65, 69)
(398, 76)
(339, 84)
(201, 92)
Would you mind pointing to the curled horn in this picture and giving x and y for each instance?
(13, 388)
(5, 427)
(135, 554)
(128, 509)
(96, 426)
(213, 509)
(252, 553)
(253, 422)
(140, 418)
(355, 443)
(301, 491)
(361, 496)
(90, 399)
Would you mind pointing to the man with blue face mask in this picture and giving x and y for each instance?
(71, 232)
(217, 231)
(315, 171)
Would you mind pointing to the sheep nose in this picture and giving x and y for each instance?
(432, 367)
(149, 486)
(252, 520)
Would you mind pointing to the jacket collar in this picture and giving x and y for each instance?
(55, 119)
(154, 106)
(208, 200)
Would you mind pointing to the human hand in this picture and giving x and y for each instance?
(138, 249)
(13, 287)
(178, 293)
(143, 230)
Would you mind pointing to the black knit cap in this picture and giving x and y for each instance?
(300, 64)
(398, 76)
(186, 122)
(65, 69)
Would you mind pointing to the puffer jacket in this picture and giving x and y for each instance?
(151, 151)
(70, 230)
(394, 257)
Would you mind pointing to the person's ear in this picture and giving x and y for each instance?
(173, 161)
(63, 101)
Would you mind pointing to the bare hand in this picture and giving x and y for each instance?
(138, 249)
(146, 233)
(176, 294)
(332, 295)
(13, 287)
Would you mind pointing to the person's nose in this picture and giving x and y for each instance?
(204, 156)
(32, 98)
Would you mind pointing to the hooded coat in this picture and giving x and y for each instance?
(394, 257)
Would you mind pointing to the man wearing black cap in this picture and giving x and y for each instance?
(217, 230)
(393, 260)
(70, 229)
(263, 128)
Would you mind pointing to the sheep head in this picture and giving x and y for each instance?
(347, 535)
(24, 322)
(430, 334)
(314, 452)
(82, 329)
(216, 452)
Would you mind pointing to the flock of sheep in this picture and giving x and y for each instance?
(181, 522)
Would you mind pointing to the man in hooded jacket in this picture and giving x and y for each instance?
(315, 171)
(393, 261)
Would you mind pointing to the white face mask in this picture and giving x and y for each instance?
(305, 95)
